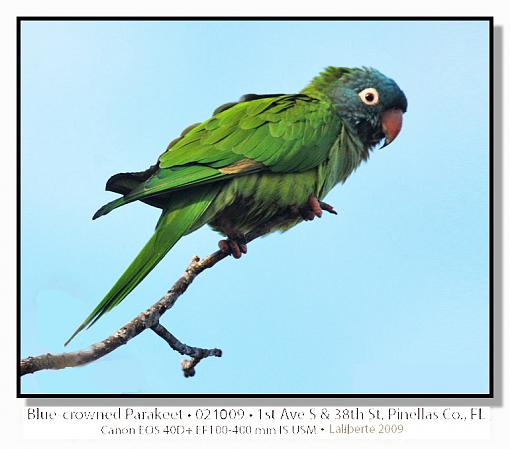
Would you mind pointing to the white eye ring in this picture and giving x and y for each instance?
(369, 96)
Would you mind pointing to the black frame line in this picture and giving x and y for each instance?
(489, 19)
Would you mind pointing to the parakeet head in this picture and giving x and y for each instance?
(367, 101)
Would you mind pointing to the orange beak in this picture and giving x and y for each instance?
(391, 121)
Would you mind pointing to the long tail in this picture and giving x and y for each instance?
(186, 209)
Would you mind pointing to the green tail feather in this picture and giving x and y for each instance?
(186, 209)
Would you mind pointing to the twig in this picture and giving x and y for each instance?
(149, 319)
(196, 354)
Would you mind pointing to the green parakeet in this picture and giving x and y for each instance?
(256, 159)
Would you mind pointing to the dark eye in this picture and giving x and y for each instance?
(369, 96)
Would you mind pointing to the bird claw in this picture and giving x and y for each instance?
(328, 208)
(314, 209)
(234, 246)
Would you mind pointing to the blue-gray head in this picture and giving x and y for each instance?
(367, 101)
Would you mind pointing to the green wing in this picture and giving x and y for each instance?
(288, 133)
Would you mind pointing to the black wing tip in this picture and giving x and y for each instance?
(124, 182)
(110, 184)
(99, 213)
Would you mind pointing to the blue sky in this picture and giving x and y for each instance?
(390, 296)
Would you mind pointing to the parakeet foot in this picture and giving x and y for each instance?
(328, 208)
(314, 209)
(236, 246)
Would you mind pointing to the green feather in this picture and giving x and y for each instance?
(251, 122)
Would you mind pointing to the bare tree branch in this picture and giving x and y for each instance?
(196, 354)
(149, 319)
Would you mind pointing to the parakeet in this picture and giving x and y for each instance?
(254, 159)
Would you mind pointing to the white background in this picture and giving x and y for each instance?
(10, 407)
